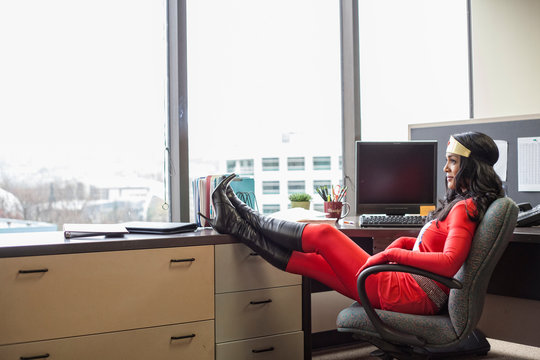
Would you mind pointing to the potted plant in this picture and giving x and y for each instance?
(302, 200)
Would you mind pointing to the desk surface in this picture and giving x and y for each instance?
(50, 243)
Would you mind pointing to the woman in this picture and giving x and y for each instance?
(322, 252)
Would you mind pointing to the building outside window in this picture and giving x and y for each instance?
(296, 163)
(84, 123)
(321, 162)
(295, 186)
(270, 164)
(270, 187)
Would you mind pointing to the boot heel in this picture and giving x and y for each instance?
(210, 221)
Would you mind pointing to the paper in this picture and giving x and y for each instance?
(502, 164)
(529, 164)
(302, 215)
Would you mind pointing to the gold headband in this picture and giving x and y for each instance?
(455, 147)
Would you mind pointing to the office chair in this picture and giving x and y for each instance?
(451, 333)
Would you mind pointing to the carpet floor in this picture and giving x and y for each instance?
(500, 350)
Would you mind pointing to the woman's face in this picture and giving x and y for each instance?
(451, 169)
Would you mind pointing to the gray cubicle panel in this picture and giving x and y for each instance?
(508, 130)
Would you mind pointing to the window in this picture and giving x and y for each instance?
(295, 186)
(270, 187)
(320, 183)
(296, 163)
(86, 118)
(321, 163)
(271, 208)
(240, 167)
(270, 164)
(413, 65)
(260, 91)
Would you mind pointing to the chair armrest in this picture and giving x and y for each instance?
(388, 333)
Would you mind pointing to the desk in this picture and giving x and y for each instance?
(198, 295)
(371, 239)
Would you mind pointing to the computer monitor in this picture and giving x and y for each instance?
(395, 178)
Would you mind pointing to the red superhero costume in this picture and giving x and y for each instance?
(335, 260)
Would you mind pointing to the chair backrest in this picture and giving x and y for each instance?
(490, 240)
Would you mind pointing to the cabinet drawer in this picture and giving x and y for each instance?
(256, 313)
(237, 269)
(164, 342)
(283, 347)
(47, 297)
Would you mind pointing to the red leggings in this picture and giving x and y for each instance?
(333, 259)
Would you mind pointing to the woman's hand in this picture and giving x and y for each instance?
(380, 258)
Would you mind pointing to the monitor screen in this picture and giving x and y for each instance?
(395, 177)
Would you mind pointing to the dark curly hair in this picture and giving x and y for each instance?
(476, 178)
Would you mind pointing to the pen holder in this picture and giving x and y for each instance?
(334, 209)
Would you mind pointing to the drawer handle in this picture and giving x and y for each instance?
(271, 348)
(260, 302)
(44, 356)
(33, 271)
(182, 260)
(182, 337)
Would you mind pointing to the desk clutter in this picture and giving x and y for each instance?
(203, 186)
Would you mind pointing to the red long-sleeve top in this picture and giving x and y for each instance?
(441, 247)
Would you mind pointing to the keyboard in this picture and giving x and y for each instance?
(392, 221)
(530, 217)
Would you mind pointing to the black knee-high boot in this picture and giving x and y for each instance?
(228, 221)
(287, 234)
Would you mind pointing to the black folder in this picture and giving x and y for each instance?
(159, 228)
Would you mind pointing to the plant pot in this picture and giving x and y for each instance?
(301, 204)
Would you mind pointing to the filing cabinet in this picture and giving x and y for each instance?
(258, 307)
(114, 304)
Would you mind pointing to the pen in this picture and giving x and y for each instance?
(348, 222)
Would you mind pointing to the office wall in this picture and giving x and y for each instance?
(506, 53)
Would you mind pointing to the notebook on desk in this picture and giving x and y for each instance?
(159, 228)
(85, 230)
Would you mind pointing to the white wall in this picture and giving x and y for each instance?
(506, 57)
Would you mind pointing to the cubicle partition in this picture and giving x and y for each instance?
(506, 129)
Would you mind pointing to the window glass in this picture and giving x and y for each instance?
(270, 187)
(295, 186)
(261, 91)
(296, 163)
(270, 208)
(83, 94)
(321, 163)
(270, 164)
(413, 65)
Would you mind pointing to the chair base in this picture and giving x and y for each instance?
(475, 344)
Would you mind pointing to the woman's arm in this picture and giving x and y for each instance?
(446, 262)
(404, 242)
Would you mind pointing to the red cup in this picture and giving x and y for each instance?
(334, 209)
